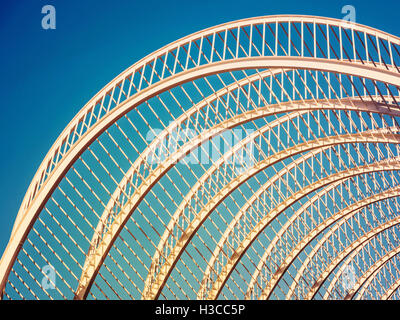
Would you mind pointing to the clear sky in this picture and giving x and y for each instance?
(48, 75)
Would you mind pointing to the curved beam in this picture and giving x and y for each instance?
(354, 105)
(42, 186)
(87, 275)
(233, 223)
(312, 254)
(119, 190)
(263, 223)
(162, 53)
(242, 213)
(185, 117)
(200, 183)
(289, 260)
(342, 268)
(340, 271)
(351, 251)
(176, 124)
(367, 282)
(166, 269)
(314, 251)
(368, 276)
(391, 291)
(29, 217)
(309, 258)
(345, 104)
(349, 211)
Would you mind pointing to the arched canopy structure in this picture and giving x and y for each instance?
(247, 160)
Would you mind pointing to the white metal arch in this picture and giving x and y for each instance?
(273, 243)
(104, 244)
(226, 190)
(393, 288)
(97, 116)
(147, 61)
(350, 251)
(352, 209)
(23, 225)
(282, 231)
(230, 265)
(205, 177)
(368, 276)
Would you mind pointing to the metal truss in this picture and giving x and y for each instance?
(351, 210)
(322, 227)
(255, 159)
(352, 250)
(367, 277)
(283, 206)
(389, 293)
(212, 204)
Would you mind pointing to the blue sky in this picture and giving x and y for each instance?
(48, 75)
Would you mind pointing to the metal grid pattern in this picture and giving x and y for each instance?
(258, 159)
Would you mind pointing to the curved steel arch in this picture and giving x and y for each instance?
(310, 256)
(317, 247)
(163, 52)
(206, 176)
(349, 211)
(284, 229)
(92, 268)
(263, 223)
(366, 278)
(351, 251)
(348, 104)
(368, 275)
(226, 190)
(242, 212)
(391, 291)
(157, 76)
(97, 256)
(23, 226)
(276, 238)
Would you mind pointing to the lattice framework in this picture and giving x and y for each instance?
(255, 159)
